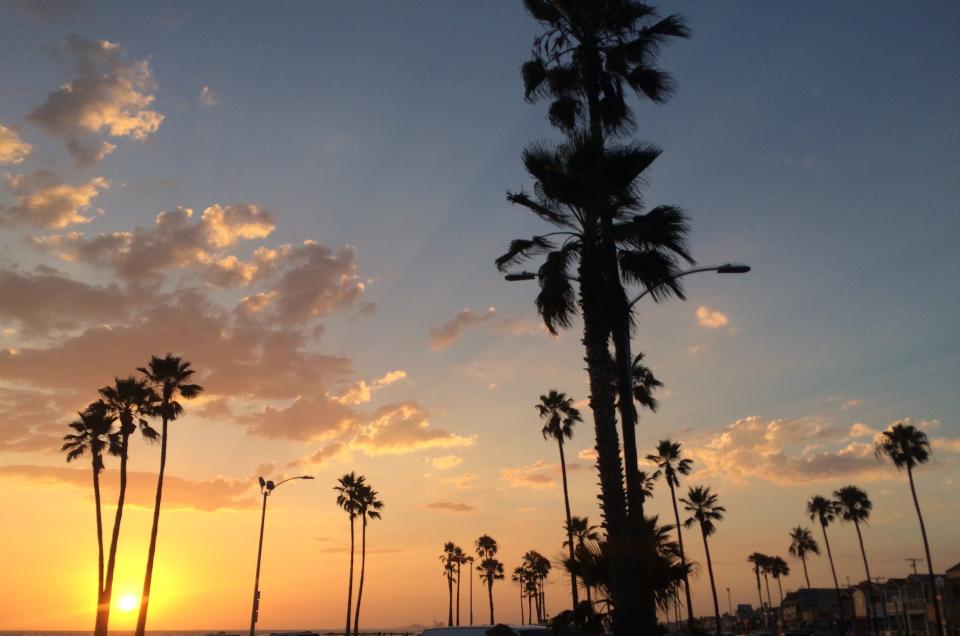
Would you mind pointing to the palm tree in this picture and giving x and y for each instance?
(766, 567)
(580, 530)
(702, 504)
(460, 558)
(170, 377)
(778, 568)
(581, 63)
(824, 511)
(518, 576)
(93, 433)
(348, 489)
(854, 506)
(131, 401)
(369, 508)
(908, 447)
(469, 560)
(802, 543)
(757, 559)
(449, 561)
(490, 568)
(670, 464)
(561, 416)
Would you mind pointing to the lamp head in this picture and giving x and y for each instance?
(515, 276)
(731, 268)
(262, 483)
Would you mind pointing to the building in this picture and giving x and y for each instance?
(815, 609)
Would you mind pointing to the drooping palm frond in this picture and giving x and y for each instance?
(557, 300)
(521, 250)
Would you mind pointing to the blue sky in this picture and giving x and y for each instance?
(820, 144)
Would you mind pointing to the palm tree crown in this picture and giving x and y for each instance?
(702, 504)
(349, 491)
(170, 375)
(132, 400)
(93, 433)
(854, 504)
(822, 510)
(905, 445)
(802, 542)
(591, 48)
(560, 415)
(669, 462)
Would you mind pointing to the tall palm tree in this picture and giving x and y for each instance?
(766, 567)
(369, 507)
(801, 544)
(93, 434)
(702, 504)
(582, 63)
(131, 401)
(348, 489)
(854, 506)
(824, 511)
(459, 559)
(170, 377)
(449, 560)
(561, 416)
(908, 447)
(490, 568)
(757, 559)
(469, 561)
(670, 464)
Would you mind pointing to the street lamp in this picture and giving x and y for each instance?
(266, 487)
(726, 268)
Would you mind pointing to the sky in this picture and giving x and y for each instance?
(305, 200)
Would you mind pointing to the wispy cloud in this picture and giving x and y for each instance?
(207, 97)
(449, 506)
(446, 334)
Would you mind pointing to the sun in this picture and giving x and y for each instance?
(126, 603)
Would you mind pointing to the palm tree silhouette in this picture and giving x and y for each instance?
(469, 560)
(854, 506)
(538, 568)
(757, 559)
(449, 560)
(908, 447)
(580, 531)
(801, 544)
(824, 511)
(766, 567)
(519, 576)
(561, 416)
(670, 464)
(778, 568)
(702, 504)
(131, 401)
(93, 434)
(369, 508)
(169, 376)
(460, 558)
(490, 568)
(348, 491)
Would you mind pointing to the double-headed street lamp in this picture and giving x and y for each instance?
(266, 487)
(726, 268)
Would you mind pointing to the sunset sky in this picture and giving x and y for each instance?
(305, 201)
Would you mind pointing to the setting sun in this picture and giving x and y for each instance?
(126, 603)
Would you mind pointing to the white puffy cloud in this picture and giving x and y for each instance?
(401, 428)
(711, 318)
(41, 200)
(108, 96)
(12, 148)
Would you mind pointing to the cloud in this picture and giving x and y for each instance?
(12, 148)
(221, 493)
(950, 445)
(48, 11)
(307, 418)
(850, 404)
(361, 392)
(336, 450)
(446, 462)
(449, 506)
(444, 335)
(538, 475)
(175, 241)
(785, 451)
(40, 200)
(401, 428)
(463, 481)
(859, 429)
(108, 96)
(315, 281)
(588, 454)
(33, 420)
(710, 318)
(207, 98)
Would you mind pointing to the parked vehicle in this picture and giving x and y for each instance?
(481, 630)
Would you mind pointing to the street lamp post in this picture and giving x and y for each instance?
(266, 487)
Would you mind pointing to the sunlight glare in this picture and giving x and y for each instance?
(126, 603)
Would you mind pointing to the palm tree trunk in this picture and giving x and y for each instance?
(926, 548)
(866, 567)
(543, 598)
(363, 568)
(346, 631)
(151, 550)
(683, 556)
(803, 559)
(471, 596)
(103, 611)
(530, 609)
(713, 585)
(780, 586)
(766, 583)
(458, 593)
(521, 603)
(450, 601)
(96, 499)
(490, 596)
(833, 570)
(756, 571)
(566, 504)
